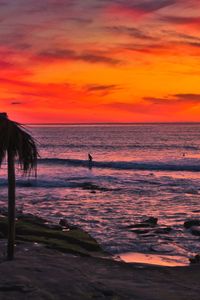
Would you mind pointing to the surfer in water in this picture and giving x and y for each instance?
(90, 158)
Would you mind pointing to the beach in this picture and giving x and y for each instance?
(40, 273)
(53, 262)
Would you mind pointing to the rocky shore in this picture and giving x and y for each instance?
(63, 237)
(64, 262)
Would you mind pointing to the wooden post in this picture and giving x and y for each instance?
(11, 205)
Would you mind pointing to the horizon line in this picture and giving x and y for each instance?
(112, 123)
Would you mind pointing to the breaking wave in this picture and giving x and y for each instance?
(191, 165)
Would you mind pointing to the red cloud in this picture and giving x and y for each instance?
(138, 9)
(181, 20)
(93, 57)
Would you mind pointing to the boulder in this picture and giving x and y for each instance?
(195, 230)
(64, 224)
(190, 223)
(93, 187)
(163, 230)
(150, 222)
(195, 259)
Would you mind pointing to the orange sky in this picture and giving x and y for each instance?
(100, 60)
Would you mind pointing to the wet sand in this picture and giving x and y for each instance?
(41, 273)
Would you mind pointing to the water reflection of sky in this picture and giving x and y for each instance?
(128, 196)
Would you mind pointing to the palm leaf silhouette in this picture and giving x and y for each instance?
(15, 144)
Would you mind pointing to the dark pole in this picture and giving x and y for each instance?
(11, 205)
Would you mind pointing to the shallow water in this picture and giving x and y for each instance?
(138, 171)
(154, 259)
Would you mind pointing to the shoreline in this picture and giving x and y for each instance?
(73, 239)
(41, 273)
(54, 264)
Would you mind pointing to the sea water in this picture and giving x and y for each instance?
(138, 171)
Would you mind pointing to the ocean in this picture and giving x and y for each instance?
(138, 171)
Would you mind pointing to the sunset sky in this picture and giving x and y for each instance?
(100, 60)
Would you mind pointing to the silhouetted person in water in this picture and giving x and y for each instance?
(90, 158)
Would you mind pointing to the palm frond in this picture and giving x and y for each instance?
(14, 138)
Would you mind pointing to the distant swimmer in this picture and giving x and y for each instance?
(90, 158)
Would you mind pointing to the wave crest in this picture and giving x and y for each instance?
(191, 165)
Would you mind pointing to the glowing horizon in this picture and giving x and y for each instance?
(117, 61)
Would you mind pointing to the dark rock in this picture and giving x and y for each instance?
(140, 231)
(195, 230)
(92, 187)
(64, 224)
(195, 259)
(140, 225)
(151, 221)
(188, 224)
(164, 230)
(196, 211)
